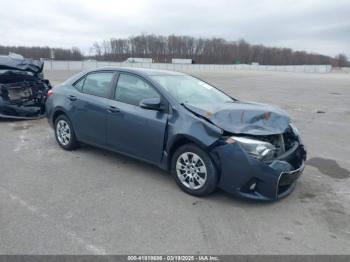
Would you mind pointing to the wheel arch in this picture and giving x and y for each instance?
(60, 112)
(179, 141)
(57, 113)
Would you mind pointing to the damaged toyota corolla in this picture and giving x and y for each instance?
(204, 137)
(23, 90)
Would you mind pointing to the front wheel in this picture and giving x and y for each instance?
(64, 133)
(193, 170)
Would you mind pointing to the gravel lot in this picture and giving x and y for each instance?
(92, 201)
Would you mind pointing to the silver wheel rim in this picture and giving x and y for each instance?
(63, 132)
(191, 170)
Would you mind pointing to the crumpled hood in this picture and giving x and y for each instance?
(244, 117)
(23, 64)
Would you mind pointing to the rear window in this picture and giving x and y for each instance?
(97, 84)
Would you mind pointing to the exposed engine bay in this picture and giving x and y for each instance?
(23, 91)
(281, 143)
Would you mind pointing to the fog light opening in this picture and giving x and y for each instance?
(252, 186)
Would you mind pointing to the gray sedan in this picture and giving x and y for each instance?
(204, 137)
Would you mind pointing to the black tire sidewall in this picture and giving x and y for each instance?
(212, 175)
(72, 142)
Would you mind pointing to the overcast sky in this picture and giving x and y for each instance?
(321, 26)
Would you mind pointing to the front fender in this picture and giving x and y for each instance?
(191, 128)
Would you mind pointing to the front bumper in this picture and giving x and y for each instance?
(245, 176)
(18, 112)
(13, 111)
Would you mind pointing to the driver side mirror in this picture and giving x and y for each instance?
(151, 103)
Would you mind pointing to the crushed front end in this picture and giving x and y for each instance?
(269, 175)
(23, 91)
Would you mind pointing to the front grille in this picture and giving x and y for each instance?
(290, 177)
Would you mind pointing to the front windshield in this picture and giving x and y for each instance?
(190, 90)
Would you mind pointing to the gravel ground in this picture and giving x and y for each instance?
(92, 201)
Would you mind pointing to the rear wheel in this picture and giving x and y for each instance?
(64, 133)
(194, 170)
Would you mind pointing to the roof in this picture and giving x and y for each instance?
(142, 71)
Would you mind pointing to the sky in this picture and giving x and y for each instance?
(319, 26)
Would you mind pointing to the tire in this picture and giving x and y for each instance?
(198, 176)
(64, 133)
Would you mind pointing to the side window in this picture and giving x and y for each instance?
(132, 89)
(98, 84)
(79, 85)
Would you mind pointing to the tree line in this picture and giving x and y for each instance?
(163, 48)
(206, 51)
(37, 52)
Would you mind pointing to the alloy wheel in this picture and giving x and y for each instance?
(191, 170)
(63, 132)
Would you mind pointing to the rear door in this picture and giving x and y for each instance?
(90, 105)
(132, 129)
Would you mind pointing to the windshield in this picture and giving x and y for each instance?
(190, 90)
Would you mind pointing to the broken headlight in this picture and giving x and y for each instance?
(259, 149)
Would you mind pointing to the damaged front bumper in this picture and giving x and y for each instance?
(13, 111)
(248, 177)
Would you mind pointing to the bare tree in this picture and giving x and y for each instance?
(342, 60)
(201, 50)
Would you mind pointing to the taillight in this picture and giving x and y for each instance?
(49, 93)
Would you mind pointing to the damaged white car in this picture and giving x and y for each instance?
(23, 90)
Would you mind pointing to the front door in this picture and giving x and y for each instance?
(132, 129)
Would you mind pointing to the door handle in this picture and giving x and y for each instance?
(113, 109)
(72, 98)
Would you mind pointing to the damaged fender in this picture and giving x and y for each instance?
(188, 127)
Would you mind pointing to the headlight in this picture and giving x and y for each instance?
(259, 149)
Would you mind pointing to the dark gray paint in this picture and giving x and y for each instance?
(151, 135)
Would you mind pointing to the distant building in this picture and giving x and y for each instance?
(181, 61)
(138, 60)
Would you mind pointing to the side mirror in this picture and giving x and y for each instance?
(151, 103)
